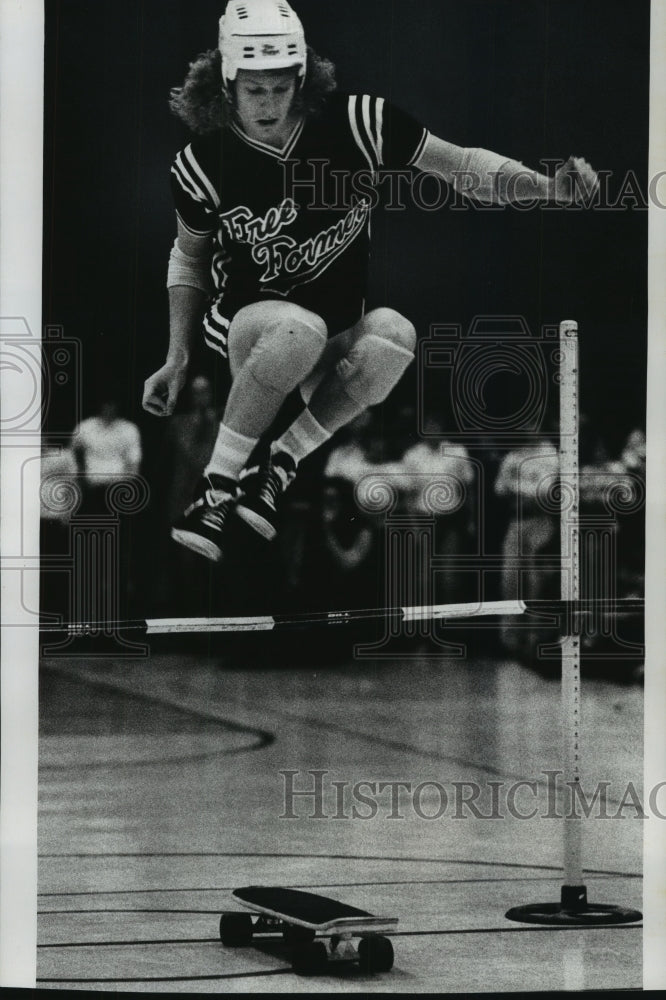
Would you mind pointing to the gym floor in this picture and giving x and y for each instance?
(163, 787)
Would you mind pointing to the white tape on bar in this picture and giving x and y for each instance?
(155, 626)
(471, 609)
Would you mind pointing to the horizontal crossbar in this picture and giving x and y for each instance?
(264, 623)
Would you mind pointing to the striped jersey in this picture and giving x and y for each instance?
(293, 224)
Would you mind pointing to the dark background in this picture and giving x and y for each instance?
(527, 78)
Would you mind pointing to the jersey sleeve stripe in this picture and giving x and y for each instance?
(211, 331)
(371, 123)
(221, 261)
(218, 318)
(180, 173)
(379, 109)
(419, 148)
(214, 345)
(198, 173)
(215, 330)
(351, 110)
(192, 180)
(366, 122)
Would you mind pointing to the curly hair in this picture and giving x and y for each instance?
(205, 106)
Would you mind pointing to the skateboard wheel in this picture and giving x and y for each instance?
(235, 929)
(375, 954)
(309, 959)
(294, 935)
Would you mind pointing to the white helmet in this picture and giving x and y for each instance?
(261, 34)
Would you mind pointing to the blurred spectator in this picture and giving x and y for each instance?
(633, 454)
(106, 448)
(597, 470)
(613, 536)
(604, 481)
(531, 533)
(435, 460)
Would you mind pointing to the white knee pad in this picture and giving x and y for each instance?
(286, 351)
(391, 325)
(372, 368)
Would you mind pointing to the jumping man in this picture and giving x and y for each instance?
(271, 254)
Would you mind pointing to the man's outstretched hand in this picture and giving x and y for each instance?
(574, 182)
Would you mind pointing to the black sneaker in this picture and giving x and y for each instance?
(200, 527)
(261, 489)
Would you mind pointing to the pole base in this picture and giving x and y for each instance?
(573, 909)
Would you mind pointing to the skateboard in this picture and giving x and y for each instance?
(300, 917)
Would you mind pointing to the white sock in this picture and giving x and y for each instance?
(304, 436)
(230, 453)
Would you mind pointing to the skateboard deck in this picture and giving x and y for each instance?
(300, 917)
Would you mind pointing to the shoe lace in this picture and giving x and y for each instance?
(271, 487)
(216, 515)
(217, 505)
